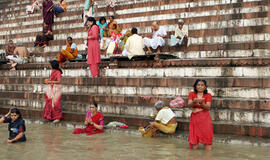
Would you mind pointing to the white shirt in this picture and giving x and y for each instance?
(73, 46)
(161, 31)
(165, 115)
(134, 46)
(181, 32)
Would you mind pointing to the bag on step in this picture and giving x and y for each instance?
(178, 102)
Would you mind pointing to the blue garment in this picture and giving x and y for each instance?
(58, 9)
(174, 41)
(86, 5)
(101, 26)
(15, 128)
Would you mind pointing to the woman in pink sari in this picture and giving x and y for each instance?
(52, 110)
(94, 121)
(93, 58)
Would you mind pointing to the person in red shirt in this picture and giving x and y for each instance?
(200, 126)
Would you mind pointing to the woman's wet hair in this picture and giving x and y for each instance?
(92, 19)
(55, 65)
(112, 17)
(204, 82)
(15, 110)
(102, 19)
(94, 103)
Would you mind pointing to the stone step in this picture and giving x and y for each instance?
(203, 62)
(243, 129)
(250, 82)
(224, 92)
(230, 115)
(185, 71)
(245, 104)
(139, 5)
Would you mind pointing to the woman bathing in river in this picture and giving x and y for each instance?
(94, 121)
(16, 126)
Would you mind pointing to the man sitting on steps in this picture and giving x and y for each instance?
(134, 45)
(180, 36)
(69, 53)
(20, 56)
(157, 40)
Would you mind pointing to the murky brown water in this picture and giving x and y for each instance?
(48, 142)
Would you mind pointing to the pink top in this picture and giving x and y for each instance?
(93, 45)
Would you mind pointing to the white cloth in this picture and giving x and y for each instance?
(17, 59)
(165, 115)
(156, 40)
(134, 46)
(73, 46)
(33, 7)
(88, 13)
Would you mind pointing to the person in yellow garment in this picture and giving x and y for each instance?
(165, 121)
(69, 53)
(60, 8)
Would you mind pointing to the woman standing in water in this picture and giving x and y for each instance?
(52, 110)
(200, 125)
(93, 58)
(16, 126)
(94, 121)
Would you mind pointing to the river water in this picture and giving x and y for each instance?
(49, 142)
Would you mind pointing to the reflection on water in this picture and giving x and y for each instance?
(50, 142)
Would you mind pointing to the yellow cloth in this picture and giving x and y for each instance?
(134, 46)
(66, 53)
(166, 128)
(116, 29)
(63, 5)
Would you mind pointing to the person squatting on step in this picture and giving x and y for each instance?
(93, 46)
(43, 38)
(157, 40)
(16, 126)
(94, 121)
(20, 56)
(165, 121)
(180, 37)
(52, 109)
(200, 125)
(60, 8)
(69, 53)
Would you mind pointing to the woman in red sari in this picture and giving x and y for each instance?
(200, 125)
(52, 110)
(93, 58)
(94, 121)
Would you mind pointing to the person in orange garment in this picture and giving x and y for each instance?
(69, 53)
(200, 125)
(93, 49)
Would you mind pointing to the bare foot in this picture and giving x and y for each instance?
(56, 121)
(149, 52)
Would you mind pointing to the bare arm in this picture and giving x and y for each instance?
(20, 135)
(2, 119)
(206, 105)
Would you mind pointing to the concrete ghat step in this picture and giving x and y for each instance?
(135, 6)
(243, 129)
(230, 115)
(251, 82)
(222, 92)
(205, 62)
(137, 100)
(150, 72)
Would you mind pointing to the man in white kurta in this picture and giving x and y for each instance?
(181, 33)
(157, 40)
(134, 45)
